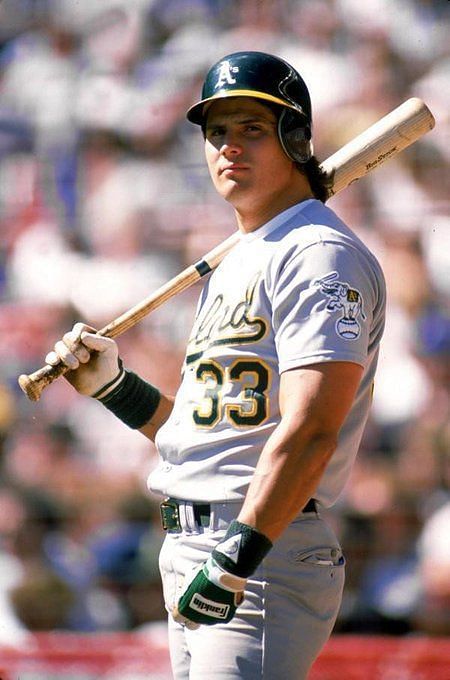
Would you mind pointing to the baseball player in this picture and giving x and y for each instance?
(275, 392)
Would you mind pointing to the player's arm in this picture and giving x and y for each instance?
(162, 413)
(314, 402)
(97, 371)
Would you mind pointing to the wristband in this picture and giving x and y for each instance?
(241, 550)
(133, 400)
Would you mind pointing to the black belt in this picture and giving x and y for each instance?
(170, 513)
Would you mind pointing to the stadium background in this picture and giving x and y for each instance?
(104, 195)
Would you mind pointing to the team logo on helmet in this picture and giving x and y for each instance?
(225, 74)
(348, 300)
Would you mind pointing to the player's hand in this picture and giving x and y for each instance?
(95, 367)
(211, 597)
(217, 589)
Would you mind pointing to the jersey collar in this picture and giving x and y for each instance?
(276, 221)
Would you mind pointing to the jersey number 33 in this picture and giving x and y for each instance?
(251, 405)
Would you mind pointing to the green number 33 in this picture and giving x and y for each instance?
(252, 407)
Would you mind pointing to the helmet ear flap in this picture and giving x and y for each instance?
(295, 134)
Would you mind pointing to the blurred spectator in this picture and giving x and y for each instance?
(104, 197)
(41, 600)
(433, 611)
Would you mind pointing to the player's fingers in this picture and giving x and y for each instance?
(73, 337)
(239, 598)
(65, 355)
(80, 328)
(52, 359)
(191, 625)
(97, 343)
(179, 618)
(74, 345)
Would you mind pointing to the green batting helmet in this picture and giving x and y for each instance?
(271, 79)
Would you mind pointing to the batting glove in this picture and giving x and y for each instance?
(93, 360)
(217, 589)
(211, 597)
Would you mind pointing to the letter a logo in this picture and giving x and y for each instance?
(225, 74)
(230, 548)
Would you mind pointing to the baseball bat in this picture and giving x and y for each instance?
(381, 141)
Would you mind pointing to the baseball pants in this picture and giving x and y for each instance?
(290, 606)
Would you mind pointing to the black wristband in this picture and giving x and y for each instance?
(134, 400)
(241, 550)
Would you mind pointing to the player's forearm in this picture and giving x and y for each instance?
(286, 477)
(160, 416)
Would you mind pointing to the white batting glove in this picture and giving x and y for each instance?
(95, 367)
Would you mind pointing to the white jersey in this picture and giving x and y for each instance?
(301, 290)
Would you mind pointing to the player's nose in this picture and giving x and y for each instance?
(230, 145)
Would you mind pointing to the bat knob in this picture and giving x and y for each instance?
(34, 383)
(30, 387)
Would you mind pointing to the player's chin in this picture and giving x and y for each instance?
(230, 187)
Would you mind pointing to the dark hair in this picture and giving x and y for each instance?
(316, 177)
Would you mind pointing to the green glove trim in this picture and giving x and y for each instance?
(205, 602)
(241, 550)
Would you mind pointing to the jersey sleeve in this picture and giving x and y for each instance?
(322, 306)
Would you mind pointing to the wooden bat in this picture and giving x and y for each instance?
(381, 141)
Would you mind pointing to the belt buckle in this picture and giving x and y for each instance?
(170, 516)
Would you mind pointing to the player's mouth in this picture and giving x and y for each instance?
(232, 168)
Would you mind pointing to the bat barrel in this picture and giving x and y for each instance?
(382, 140)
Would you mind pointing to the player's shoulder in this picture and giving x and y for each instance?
(317, 224)
(317, 240)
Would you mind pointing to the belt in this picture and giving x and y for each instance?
(173, 514)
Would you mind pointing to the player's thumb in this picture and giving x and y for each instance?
(98, 343)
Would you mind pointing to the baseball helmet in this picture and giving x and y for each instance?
(271, 79)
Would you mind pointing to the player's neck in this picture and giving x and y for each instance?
(251, 217)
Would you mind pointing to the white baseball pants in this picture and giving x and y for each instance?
(289, 610)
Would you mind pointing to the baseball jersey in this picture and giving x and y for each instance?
(303, 289)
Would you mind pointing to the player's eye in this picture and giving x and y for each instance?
(214, 132)
(253, 128)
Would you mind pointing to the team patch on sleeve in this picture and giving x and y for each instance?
(344, 300)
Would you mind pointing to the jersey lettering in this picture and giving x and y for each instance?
(226, 324)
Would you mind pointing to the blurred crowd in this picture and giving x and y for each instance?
(104, 196)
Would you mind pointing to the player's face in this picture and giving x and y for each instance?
(246, 161)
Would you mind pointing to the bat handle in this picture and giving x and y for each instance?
(34, 383)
